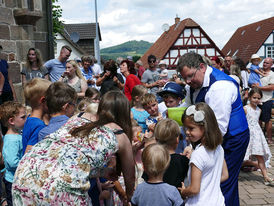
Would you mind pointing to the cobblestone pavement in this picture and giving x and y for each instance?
(252, 189)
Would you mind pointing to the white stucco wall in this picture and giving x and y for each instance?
(61, 41)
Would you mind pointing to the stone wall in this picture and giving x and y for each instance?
(24, 24)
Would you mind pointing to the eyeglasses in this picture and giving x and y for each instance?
(191, 77)
(151, 61)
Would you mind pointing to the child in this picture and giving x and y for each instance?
(34, 92)
(155, 192)
(137, 110)
(13, 115)
(257, 144)
(207, 165)
(60, 99)
(150, 104)
(172, 94)
(92, 94)
(163, 70)
(255, 72)
(167, 133)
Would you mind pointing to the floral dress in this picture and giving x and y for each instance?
(56, 170)
(257, 143)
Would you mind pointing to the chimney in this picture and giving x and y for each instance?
(177, 19)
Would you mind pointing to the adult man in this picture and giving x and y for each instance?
(227, 64)
(267, 89)
(56, 67)
(221, 93)
(150, 78)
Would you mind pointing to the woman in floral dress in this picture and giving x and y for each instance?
(56, 171)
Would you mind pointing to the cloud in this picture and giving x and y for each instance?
(123, 20)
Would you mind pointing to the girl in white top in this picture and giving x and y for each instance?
(207, 165)
(257, 146)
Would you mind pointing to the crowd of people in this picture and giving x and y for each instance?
(126, 135)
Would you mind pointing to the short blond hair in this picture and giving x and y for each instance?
(34, 90)
(155, 159)
(92, 108)
(148, 98)
(166, 132)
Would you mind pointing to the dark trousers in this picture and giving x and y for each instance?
(8, 186)
(234, 149)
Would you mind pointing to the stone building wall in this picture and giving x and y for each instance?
(24, 24)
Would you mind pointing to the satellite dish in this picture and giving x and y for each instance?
(74, 36)
(165, 27)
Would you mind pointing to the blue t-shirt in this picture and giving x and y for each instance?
(54, 124)
(140, 117)
(4, 70)
(32, 127)
(254, 78)
(147, 194)
(12, 154)
(55, 68)
(89, 75)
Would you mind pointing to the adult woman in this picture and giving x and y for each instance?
(128, 70)
(110, 79)
(216, 63)
(58, 168)
(34, 67)
(74, 78)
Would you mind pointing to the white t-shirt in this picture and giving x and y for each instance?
(269, 79)
(211, 164)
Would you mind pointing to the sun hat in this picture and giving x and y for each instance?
(174, 88)
(162, 62)
(255, 56)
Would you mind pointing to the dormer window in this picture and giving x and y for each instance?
(243, 32)
(258, 28)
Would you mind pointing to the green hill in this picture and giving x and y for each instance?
(130, 48)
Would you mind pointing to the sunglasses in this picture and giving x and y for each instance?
(151, 61)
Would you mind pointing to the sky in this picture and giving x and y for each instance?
(124, 20)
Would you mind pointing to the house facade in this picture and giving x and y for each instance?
(182, 37)
(255, 38)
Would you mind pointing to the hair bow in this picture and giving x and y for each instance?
(197, 115)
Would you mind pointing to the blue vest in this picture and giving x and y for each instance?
(237, 123)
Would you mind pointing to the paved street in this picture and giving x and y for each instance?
(252, 189)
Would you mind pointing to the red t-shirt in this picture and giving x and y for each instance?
(131, 82)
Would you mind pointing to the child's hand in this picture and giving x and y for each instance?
(187, 152)
(181, 189)
(136, 146)
(151, 127)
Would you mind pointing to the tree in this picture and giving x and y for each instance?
(56, 15)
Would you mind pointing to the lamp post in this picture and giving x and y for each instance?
(96, 43)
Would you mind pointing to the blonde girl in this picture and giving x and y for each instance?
(74, 78)
(207, 165)
(137, 111)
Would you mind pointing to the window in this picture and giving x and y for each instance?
(30, 5)
(258, 28)
(270, 51)
(243, 32)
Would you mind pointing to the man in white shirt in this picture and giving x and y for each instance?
(267, 89)
(221, 93)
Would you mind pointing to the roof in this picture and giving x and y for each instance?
(168, 38)
(76, 46)
(85, 30)
(248, 39)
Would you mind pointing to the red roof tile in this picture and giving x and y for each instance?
(248, 39)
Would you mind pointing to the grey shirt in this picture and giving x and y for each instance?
(30, 74)
(151, 77)
(147, 194)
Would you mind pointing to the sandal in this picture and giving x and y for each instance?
(269, 182)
